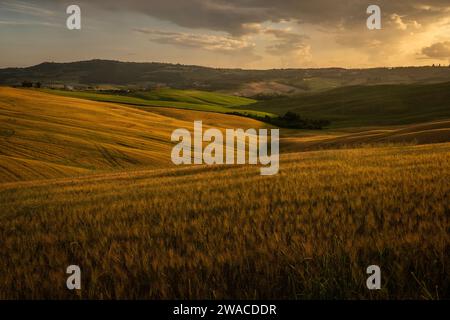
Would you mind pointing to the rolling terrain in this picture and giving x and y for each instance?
(47, 136)
(91, 183)
(106, 73)
(211, 232)
(414, 134)
(368, 106)
(50, 136)
(169, 98)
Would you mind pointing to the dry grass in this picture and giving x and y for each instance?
(221, 232)
(424, 133)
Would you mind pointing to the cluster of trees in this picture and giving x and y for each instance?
(268, 96)
(290, 120)
(295, 121)
(29, 84)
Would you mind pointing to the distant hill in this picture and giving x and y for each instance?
(359, 106)
(242, 82)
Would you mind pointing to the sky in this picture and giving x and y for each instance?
(249, 34)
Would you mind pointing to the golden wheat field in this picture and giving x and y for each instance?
(91, 184)
(48, 136)
(220, 232)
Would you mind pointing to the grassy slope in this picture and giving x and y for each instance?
(182, 99)
(369, 105)
(227, 232)
(194, 97)
(424, 133)
(46, 136)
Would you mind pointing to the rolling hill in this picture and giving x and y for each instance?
(47, 136)
(170, 98)
(237, 81)
(366, 106)
(92, 183)
(423, 133)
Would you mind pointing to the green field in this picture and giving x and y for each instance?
(181, 99)
(361, 106)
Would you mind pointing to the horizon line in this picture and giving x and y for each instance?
(230, 68)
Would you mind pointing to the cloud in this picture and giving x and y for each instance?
(401, 24)
(22, 14)
(287, 42)
(278, 42)
(337, 29)
(28, 23)
(439, 50)
(25, 8)
(234, 16)
(215, 43)
(397, 20)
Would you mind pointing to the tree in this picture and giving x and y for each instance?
(27, 84)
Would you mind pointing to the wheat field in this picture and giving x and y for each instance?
(215, 232)
(47, 136)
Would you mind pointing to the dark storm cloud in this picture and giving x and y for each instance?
(232, 15)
